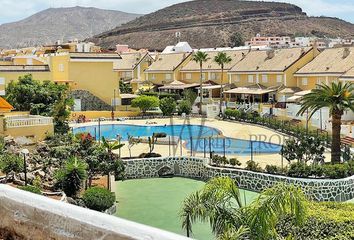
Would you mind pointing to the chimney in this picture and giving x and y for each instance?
(346, 52)
(270, 53)
(302, 51)
(315, 48)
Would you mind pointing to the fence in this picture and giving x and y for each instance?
(25, 121)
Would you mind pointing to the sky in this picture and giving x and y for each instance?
(19, 9)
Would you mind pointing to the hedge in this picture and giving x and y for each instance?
(98, 199)
(327, 221)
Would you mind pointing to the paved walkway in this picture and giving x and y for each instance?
(228, 129)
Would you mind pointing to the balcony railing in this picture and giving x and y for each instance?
(25, 121)
(22, 68)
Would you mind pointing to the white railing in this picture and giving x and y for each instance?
(25, 121)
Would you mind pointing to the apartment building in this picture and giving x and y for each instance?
(166, 68)
(268, 72)
(190, 73)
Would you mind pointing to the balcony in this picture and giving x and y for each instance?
(24, 68)
(25, 215)
(26, 121)
(25, 125)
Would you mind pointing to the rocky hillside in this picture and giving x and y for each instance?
(60, 24)
(206, 23)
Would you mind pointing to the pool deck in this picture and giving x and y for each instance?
(229, 129)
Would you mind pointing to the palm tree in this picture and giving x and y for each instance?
(221, 59)
(338, 97)
(71, 176)
(200, 57)
(220, 204)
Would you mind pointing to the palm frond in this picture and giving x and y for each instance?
(273, 203)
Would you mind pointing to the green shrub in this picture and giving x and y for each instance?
(184, 106)
(31, 189)
(272, 169)
(325, 220)
(190, 96)
(217, 159)
(335, 171)
(144, 103)
(71, 176)
(317, 170)
(98, 199)
(167, 106)
(253, 166)
(234, 162)
(299, 169)
(11, 162)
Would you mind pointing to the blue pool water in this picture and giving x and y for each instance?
(199, 138)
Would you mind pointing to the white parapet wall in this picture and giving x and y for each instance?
(24, 215)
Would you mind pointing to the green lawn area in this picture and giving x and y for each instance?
(157, 202)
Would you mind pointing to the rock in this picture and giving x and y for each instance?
(71, 201)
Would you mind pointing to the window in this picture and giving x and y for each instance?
(153, 77)
(168, 76)
(250, 78)
(61, 67)
(29, 61)
(203, 76)
(238, 78)
(304, 81)
(128, 74)
(212, 76)
(279, 78)
(264, 78)
(188, 76)
(320, 80)
(2, 81)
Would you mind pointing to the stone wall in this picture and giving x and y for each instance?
(191, 167)
(90, 102)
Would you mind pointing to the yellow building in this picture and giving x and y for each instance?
(92, 72)
(166, 68)
(211, 70)
(10, 73)
(328, 66)
(131, 68)
(268, 72)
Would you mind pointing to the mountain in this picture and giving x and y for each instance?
(212, 23)
(54, 24)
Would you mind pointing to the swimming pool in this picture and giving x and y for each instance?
(197, 137)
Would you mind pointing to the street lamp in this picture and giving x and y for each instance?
(25, 153)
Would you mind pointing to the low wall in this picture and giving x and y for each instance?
(24, 215)
(104, 114)
(191, 167)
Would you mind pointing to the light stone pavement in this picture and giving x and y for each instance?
(229, 129)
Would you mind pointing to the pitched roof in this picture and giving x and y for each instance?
(167, 62)
(348, 75)
(259, 61)
(330, 61)
(236, 56)
(4, 105)
(129, 61)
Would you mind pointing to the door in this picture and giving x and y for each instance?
(77, 105)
